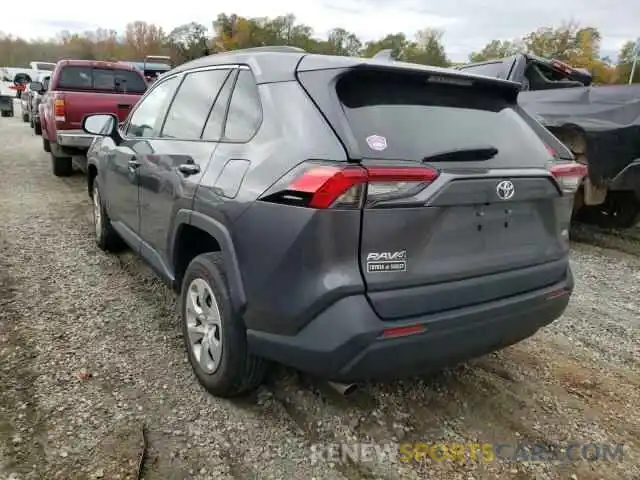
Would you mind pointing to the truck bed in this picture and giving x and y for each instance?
(80, 104)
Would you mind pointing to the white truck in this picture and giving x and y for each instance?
(16, 79)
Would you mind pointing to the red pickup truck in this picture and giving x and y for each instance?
(78, 88)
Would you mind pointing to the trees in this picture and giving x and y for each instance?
(342, 42)
(625, 61)
(576, 45)
(426, 48)
(497, 49)
(187, 42)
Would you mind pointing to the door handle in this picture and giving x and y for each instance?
(189, 168)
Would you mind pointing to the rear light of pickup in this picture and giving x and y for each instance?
(324, 186)
(59, 111)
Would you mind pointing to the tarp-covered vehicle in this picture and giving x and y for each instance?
(599, 124)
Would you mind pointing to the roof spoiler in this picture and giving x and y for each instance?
(270, 48)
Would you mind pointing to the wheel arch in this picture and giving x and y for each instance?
(194, 234)
(92, 173)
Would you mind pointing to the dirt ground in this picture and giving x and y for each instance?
(94, 381)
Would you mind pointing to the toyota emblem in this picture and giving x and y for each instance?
(505, 190)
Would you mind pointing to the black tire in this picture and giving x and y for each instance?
(107, 238)
(4, 113)
(37, 128)
(46, 146)
(239, 371)
(620, 210)
(25, 117)
(61, 166)
(32, 124)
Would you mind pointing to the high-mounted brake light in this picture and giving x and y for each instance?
(569, 175)
(329, 186)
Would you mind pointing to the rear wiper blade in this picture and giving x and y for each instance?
(463, 155)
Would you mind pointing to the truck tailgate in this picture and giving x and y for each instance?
(79, 104)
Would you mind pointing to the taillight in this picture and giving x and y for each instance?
(386, 184)
(351, 186)
(569, 175)
(59, 110)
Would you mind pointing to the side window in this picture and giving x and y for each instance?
(245, 111)
(191, 106)
(215, 122)
(146, 116)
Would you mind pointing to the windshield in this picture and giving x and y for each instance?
(402, 117)
(87, 78)
(46, 66)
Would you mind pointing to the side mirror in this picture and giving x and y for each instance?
(36, 87)
(103, 124)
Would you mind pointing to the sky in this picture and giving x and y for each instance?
(468, 24)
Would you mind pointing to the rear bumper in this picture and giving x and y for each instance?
(74, 138)
(344, 343)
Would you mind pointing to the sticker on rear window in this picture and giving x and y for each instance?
(377, 142)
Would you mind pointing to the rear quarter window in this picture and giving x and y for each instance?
(402, 117)
(101, 79)
(245, 110)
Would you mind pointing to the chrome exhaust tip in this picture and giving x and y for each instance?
(344, 389)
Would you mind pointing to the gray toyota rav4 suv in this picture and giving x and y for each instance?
(352, 218)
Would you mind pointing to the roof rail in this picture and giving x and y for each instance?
(270, 48)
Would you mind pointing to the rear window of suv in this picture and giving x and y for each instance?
(401, 116)
(102, 79)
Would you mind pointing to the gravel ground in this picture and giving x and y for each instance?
(94, 377)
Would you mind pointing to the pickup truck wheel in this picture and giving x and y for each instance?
(46, 146)
(214, 335)
(107, 238)
(61, 166)
(620, 210)
(37, 128)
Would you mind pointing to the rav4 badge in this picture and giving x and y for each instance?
(387, 261)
